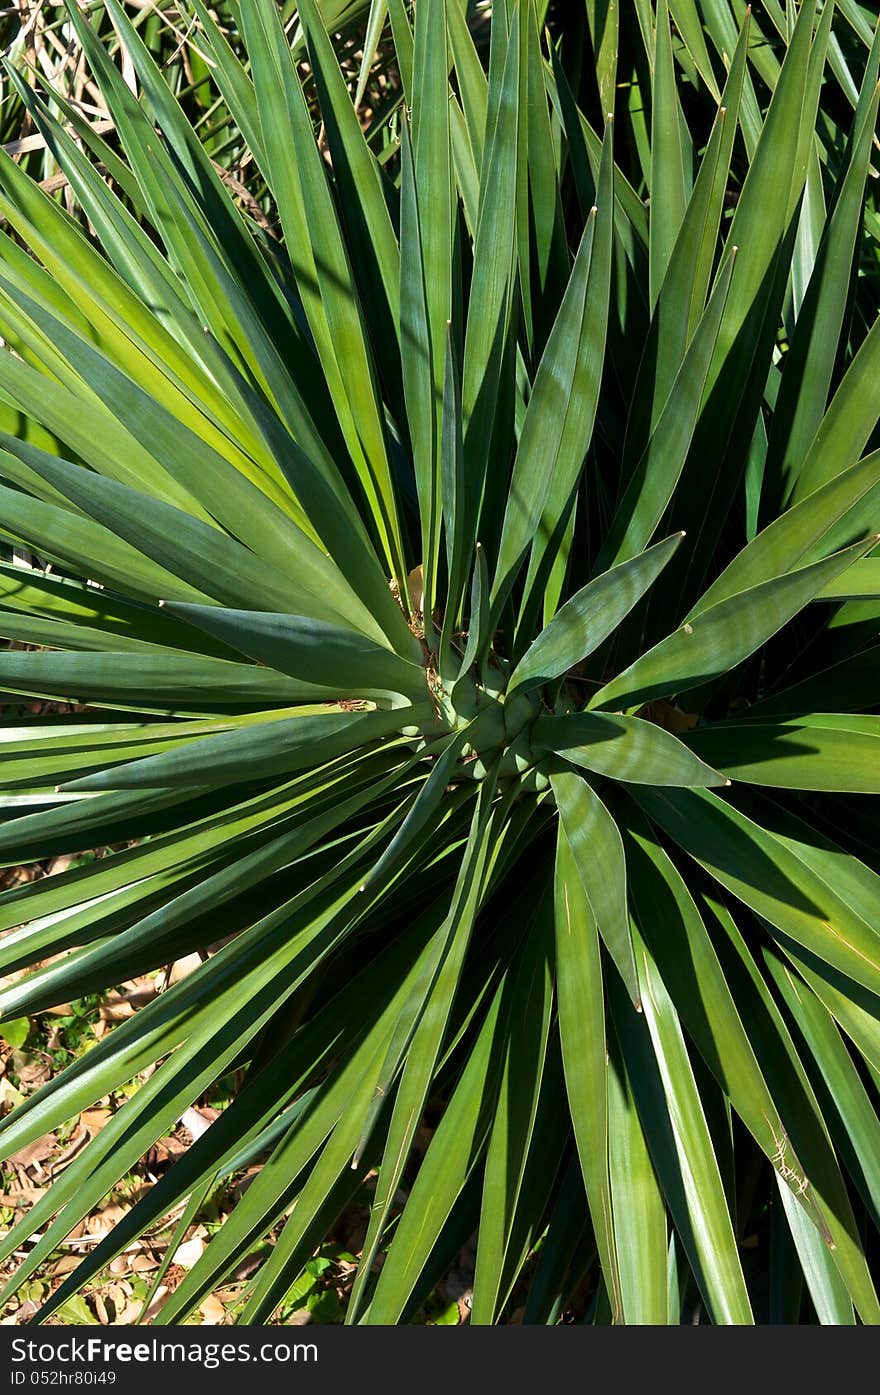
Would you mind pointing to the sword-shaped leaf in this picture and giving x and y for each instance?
(813, 753)
(598, 855)
(720, 637)
(584, 1050)
(323, 654)
(590, 617)
(623, 748)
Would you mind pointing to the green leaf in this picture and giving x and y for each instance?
(810, 361)
(113, 621)
(814, 753)
(667, 184)
(675, 1127)
(848, 423)
(491, 292)
(418, 1071)
(71, 540)
(326, 285)
(272, 748)
(453, 491)
(762, 872)
(523, 1049)
(623, 748)
(200, 553)
(584, 1052)
(451, 1156)
(151, 682)
(656, 474)
(669, 919)
(325, 655)
(15, 1031)
(826, 520)
(721, 636)
(562, 482)
(639, 1209)
(827, 1290)
(558, 423)
(590, 617)
(598, 853)
(359, 181)
(602, 17)
(852, 1105)
(861, 581)
(799, 1108)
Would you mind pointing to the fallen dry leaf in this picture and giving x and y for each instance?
(65, 1265)
(141, 1263)
(95, 1119)
(116, 1008)
(35, 1152)
(32, 1071)
(212, 1311)
(182, 967)
(195, 1121)
(160, 1299)
(188, 1254)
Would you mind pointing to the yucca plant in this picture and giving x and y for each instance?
(465, 600)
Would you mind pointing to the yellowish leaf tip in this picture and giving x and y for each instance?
(682, 533)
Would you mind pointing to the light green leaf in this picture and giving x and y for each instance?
(623, 748)
(815, 753)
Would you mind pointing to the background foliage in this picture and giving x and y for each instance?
(440, 480)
